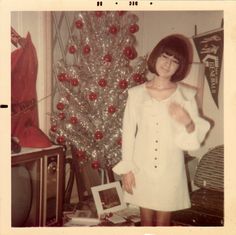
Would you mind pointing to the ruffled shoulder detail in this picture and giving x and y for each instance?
(123, 167)
(136, 89)
(187, 91)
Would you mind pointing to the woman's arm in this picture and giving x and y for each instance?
(182, 116)
(194, 128)
(128, 182)
(128, 138)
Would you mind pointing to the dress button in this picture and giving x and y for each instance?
(156, 141)
(155, 166)
(155, 158)
(155, 149)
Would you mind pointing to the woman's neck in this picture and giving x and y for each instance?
(162, 83)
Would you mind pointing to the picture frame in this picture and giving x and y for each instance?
(108, 198)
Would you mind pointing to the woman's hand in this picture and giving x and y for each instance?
(178, 113)
(128, 182)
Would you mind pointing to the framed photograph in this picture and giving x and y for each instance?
(108, 198)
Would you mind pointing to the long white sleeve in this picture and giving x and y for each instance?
(193, 140)
(128, 139)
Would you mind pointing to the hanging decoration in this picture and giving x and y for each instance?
(210, 51)
(92, 91)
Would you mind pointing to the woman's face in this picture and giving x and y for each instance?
(166, 65)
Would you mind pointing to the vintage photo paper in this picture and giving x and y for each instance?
(156, 19)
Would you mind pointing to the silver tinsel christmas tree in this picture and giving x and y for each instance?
(92, 93)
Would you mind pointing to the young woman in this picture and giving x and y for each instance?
(160, 121)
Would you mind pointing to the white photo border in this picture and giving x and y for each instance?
(229, 102)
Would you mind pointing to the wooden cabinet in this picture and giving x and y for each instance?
(37, 187)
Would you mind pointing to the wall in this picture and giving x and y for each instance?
(156, 25)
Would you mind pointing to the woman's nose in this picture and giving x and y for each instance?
(168, 62)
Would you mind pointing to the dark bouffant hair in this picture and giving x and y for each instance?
(177, 46)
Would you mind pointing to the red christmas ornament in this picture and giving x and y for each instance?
(107, 58)
(72, 49)
(133, 55)
(113, 29)
(133, 28)
(93, 96)
(137, 77)
(79, 24)
(98, 13)
(81, 154)
(142, 80)
(98, 135)
(61, 139)
(95, 164)
(127, 51)
(62, 77)
(130, 52)
(68, 97)
(121, 13)
(53, 128)
(86, 49)
(74, 82)
(73, 120)
(62, 116)
(123, 84)
(111, 109)
(119, 141)
(102, 82)
(60, 106)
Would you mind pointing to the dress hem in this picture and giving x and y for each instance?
(159, 208)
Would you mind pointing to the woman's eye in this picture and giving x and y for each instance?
(164, 56)
(176, 61)
(171, 58)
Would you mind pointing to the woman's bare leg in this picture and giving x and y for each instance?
(163, 218)
(146, 217)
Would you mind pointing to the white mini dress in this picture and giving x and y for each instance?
(152, 148)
